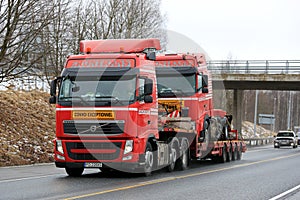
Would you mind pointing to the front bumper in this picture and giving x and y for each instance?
(282, 143)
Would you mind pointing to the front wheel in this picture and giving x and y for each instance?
(74, 172)
(149, 160)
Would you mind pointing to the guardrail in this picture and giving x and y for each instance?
(255, 66)
(258, 141)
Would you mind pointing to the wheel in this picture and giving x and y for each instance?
(183, 160)
(235, 153)
(229, 154)
(74, 172)
(149, 160)
(173, 154)
(239, 153)
(223, 157)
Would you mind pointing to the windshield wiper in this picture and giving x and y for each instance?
(110, 97)
(76, 97)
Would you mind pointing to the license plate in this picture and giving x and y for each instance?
(92, 165)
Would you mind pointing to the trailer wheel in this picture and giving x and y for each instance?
(235, 153)
(239, 153)
(229, 154)
(74, 172)
(223, 157)
(173, 145)
(183, 160)
(149, 160)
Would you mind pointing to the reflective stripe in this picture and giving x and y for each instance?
(112, 108)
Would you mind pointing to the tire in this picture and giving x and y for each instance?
(184, 160)
(235, 153)
(223, 157)
(229, 154)
(174, 153)
(74, 172)
(240, 153)
(149, 160)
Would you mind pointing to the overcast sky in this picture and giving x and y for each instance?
(240, 29)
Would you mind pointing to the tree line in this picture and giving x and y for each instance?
(36, 36)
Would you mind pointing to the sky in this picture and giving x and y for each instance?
(237, 29)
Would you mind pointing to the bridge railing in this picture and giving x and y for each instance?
(254, 66)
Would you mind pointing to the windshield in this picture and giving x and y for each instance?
(285, 134)
(92, 90)
(176, 85)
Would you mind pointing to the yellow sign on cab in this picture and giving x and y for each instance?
(93, 114)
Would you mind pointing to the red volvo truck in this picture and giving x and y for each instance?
(121, 105)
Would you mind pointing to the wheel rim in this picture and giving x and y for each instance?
(149, 160)
(185, 156)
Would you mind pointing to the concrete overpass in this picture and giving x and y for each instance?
(239, 75)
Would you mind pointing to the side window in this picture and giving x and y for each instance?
(141, 87)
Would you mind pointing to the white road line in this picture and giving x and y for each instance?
(27, 178)
(285, 193)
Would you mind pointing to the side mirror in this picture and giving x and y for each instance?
(53, 86)
(204, 84)
(52, 100)
(148, 99)
(204, 90)
(148, 87)
(204, 81)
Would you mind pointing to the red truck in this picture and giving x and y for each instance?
(121, 105)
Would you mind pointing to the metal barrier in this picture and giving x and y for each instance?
(258, 141)
(255, 66)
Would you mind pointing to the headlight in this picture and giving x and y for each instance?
(59, 146)
(128, 146)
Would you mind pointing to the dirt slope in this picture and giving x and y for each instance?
(27, 128)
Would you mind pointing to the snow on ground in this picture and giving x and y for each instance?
(27, 83)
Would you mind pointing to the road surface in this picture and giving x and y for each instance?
(263, 173)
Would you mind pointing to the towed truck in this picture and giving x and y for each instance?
(123, 105)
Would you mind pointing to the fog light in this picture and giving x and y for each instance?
(60, 157)
(127, 157)
(128, 146)
(59, 146)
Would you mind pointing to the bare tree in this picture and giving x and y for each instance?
(55, 39)
(40, 33)
(20, 23)
(105, 19)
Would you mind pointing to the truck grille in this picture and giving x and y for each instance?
(85, 147)
(93, 127)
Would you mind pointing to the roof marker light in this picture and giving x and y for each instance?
(88, 50)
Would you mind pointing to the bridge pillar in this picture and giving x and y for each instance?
(238, 107)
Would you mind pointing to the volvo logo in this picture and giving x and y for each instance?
(93, 128)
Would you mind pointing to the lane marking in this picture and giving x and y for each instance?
(26, 178)
(162, 180)
(285, 193)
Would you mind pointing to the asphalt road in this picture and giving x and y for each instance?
(263, 173)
